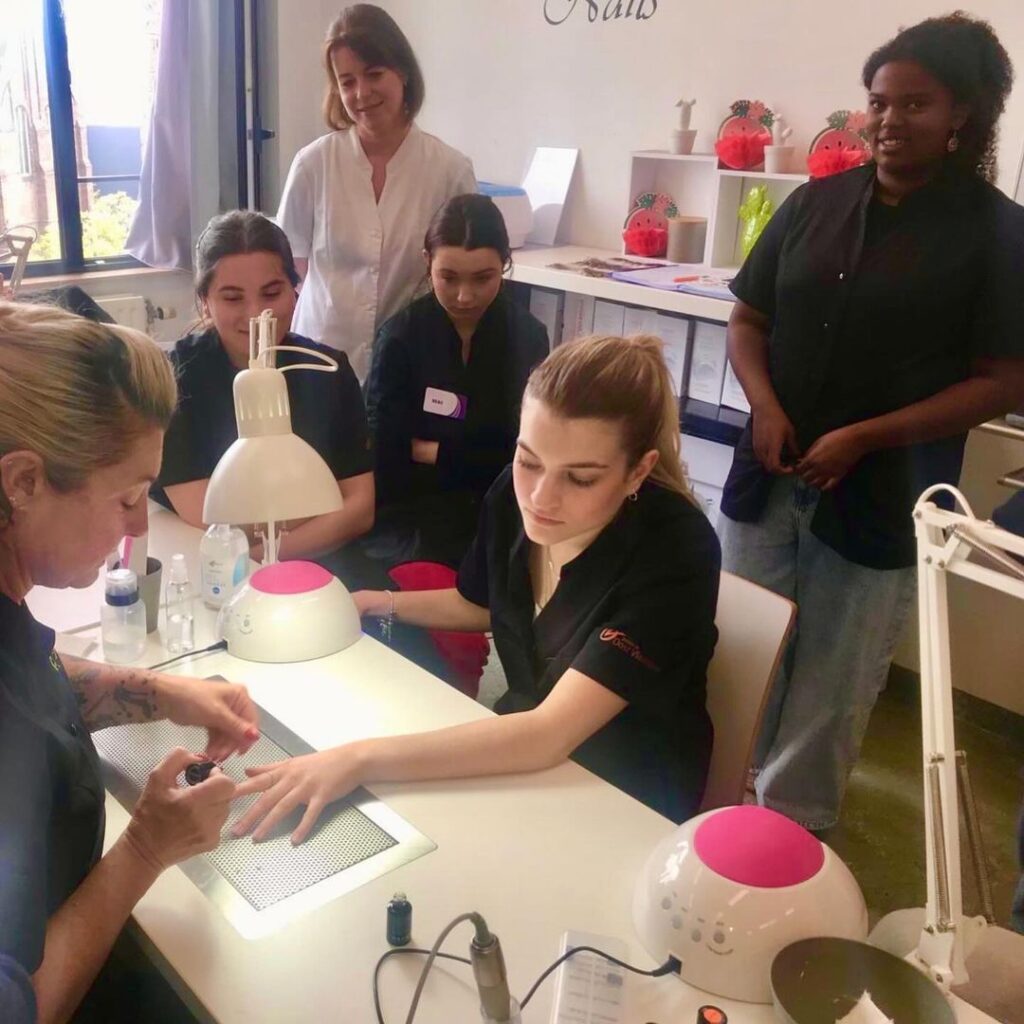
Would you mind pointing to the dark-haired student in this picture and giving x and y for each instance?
(878, 319)
(244, 265)
(445, 387)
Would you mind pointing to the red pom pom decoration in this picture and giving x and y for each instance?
(642, 241)
(834, 161)
(742, 151)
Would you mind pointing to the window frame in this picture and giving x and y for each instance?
(65, 159)
(67, 181)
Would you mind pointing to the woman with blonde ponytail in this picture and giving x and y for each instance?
(597, 574)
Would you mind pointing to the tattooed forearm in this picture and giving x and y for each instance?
(112, 696)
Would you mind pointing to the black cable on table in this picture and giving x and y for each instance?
(220, 645)
(670, 966)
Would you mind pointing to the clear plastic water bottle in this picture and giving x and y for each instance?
(122, 617)
(180, 615)
(224, 563)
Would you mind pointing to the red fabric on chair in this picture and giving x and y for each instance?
(465, 654)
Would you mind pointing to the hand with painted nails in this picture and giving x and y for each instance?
(224, 709)
(312, 781)
(171, 823)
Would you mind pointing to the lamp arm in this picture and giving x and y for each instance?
(327, 364)
(944, 542)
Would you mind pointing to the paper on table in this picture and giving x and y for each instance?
(547, 184)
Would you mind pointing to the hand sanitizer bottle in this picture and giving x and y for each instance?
(179, 638)
(224, 563)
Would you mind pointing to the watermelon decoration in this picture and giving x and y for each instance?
(743, 135)
(645, 231)
(841, 146)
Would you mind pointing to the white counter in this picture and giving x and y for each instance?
(531, 265)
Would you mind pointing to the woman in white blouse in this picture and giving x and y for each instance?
(358, 200)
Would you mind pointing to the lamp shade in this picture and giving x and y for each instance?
(269, 473)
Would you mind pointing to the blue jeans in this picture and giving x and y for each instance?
(849, 618)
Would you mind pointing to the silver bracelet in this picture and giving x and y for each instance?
(388, 619)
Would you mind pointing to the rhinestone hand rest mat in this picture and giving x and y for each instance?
(260, 887)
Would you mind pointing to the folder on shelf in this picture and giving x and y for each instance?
(697, 279)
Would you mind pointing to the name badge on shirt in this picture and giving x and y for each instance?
(444, 403)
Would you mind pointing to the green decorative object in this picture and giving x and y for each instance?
(755, 211)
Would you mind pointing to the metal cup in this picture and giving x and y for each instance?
(150, 590)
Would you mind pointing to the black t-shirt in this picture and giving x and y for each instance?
(327, 411)
(419, 349)
(51, 795)
(635, 611)
(874, 308)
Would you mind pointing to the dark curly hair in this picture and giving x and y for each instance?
(965, 55)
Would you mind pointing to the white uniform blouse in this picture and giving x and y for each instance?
(365, 258)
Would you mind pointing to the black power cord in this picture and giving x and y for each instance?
(670, 966)
(220, 645)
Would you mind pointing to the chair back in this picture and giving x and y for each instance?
(754, 625)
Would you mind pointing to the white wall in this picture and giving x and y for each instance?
(291, 82)
(501, 81)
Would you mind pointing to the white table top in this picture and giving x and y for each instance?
(535, 854)
(531, 265)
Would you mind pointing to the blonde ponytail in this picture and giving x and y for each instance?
(620, 379)
(76, 392)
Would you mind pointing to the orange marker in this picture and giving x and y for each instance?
(680, 280)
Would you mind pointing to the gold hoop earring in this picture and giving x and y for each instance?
(953, 144)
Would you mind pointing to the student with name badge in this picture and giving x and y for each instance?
(445, 388)
(598, 575)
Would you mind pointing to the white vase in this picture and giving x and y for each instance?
(778, 159)
(682, 140)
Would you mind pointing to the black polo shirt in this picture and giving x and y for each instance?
(874, 308)
(51, 796)
(418, 349)
(636, 612)
(327, 411)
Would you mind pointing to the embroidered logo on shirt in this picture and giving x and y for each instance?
(622, 642)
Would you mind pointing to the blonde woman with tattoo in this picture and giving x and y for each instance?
(83, 408)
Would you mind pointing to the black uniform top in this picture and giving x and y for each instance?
(17, 997)
(418, 349)
(874, 308)
(635, 611)
(327, 411)
(51, 796)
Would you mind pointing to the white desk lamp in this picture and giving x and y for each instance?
(945, 540)
(289, 611)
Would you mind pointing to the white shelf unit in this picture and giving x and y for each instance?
(701, 189)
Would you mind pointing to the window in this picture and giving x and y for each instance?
(80, 79)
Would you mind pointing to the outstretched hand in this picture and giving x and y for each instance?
(314, 780)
